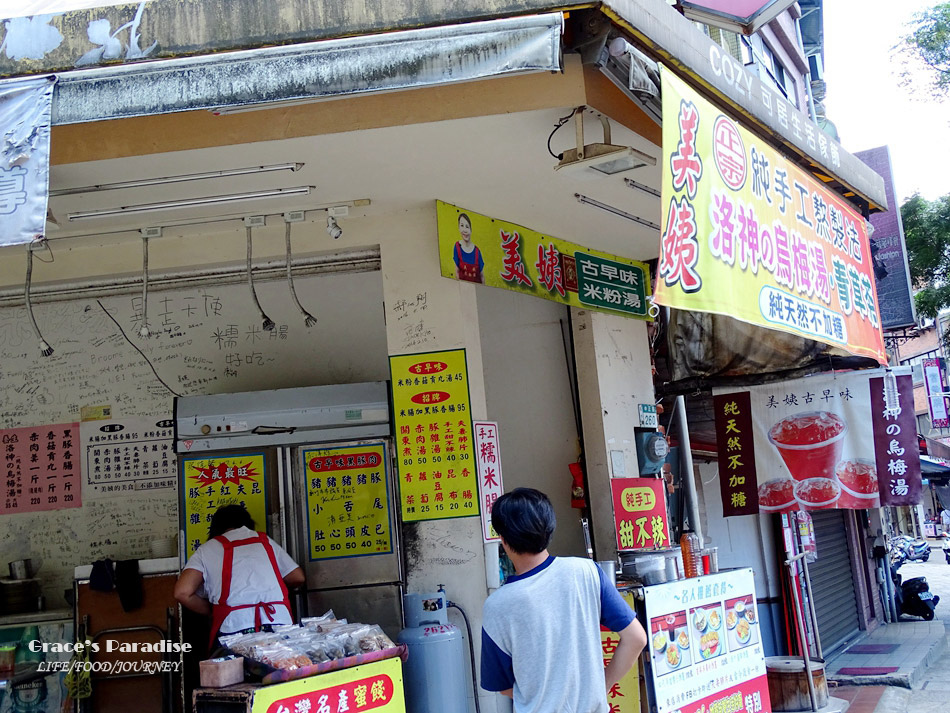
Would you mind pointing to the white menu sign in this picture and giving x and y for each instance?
(488, 458)
(127, 454)
(705, 645)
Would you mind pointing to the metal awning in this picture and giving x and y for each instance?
(316, 70)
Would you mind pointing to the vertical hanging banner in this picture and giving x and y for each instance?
(348, 501)
(488, 459)
(936, 400)
(25, 110)
(830, 441)
(640, 514)
(434, 447)
(209, 483)
(40, 468)
(749, 234)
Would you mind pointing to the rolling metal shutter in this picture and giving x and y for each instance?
(832, 583)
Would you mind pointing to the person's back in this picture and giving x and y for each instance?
(945, 519)
(549, 621)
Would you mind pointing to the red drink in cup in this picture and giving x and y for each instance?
(858, 480)
(810, 443)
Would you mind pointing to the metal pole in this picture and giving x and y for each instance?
(686, 464)
(800, 621)
(811, 609)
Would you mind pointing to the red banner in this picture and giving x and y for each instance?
(746, 697)
(640, 513)
(361, 695)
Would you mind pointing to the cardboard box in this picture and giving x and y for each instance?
(218, 673)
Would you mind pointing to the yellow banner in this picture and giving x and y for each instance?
(209, 483)
(749, 234)
(624, 696)
(435, 453)
(348, 501)
(476, 248)
(373, 686)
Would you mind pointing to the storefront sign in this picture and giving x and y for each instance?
(640, 513)
(40, 468)
(375, 686)
(623, 696)
(705, 644)
(748, 234)
(476, 248)
(936, 400)
(348, 501)
(209, 483)
(488, 458)
(435, 454)
(126, 455)
(25, 111)
(838, 441)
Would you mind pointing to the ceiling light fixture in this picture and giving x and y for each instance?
(641, 187)
(162, 180)
(333, 228)
(606, 159)
(616, 211)
(191, 203)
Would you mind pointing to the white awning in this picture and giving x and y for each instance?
(316, 70)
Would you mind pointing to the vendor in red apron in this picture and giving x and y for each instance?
(240, 577)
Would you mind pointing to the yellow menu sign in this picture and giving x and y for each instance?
(434, 447)
(348, 501)
(209, 483)
(623, 696)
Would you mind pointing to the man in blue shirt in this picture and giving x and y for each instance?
(541, 630)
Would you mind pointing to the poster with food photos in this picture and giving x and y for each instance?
(705, 645)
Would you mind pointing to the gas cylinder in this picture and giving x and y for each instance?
(434, 673)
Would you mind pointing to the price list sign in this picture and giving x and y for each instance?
(128, 455)
(348, 501)
(40, 468)
(434, 447)
(209, 483)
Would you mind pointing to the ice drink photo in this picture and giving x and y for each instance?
(810, 443)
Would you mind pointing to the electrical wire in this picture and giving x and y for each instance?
(268, 324)
(45, 348)
(309, 319)
(143, 330)
(560, 122)
(471, 651)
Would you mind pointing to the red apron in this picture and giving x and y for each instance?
(468, 272)
(220, 611)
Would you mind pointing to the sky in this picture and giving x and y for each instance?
(866, 102)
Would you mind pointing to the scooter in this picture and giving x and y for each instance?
(914, 596)
(914, 550)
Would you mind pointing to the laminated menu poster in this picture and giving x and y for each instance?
(40, 468)
(705, 645)
(846, 440)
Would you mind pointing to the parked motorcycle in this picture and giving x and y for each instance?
(911, 549)
(914, 596)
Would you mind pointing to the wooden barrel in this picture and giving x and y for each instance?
(788, 687)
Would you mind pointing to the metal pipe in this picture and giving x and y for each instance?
(800, 621)
(686, 465)
(811, 609)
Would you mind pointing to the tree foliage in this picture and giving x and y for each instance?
(929, 41)
(927, 234)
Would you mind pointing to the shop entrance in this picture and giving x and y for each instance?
(836, 605)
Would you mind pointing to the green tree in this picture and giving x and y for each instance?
(929, 41)
(927, 234)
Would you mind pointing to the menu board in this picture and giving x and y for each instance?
(122, 455)
(40, 468)
(488, 460)
(623, 696)
(210, 483)
(705, 644)
(348, 510)
(434, 447)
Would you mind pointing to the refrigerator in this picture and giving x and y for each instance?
(314, 466)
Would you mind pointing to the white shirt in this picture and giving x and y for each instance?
(252, 578)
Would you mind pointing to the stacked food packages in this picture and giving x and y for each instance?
(314, 641)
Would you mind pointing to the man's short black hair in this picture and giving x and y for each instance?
(525, 519)
(229, 517)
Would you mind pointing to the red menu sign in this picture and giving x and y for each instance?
(640, 513)
(40, 468)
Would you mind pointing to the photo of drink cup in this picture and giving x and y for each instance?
(809, 443)
(858, 480)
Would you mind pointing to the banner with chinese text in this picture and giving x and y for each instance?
(490, 486)
(209, 483)
(126, 455)
(830, 441)
(640, 513)
(749, 234)
(623, 696)
(435, 453)
(41, 468)
(705, 644)
(348, 510)
(375, 686)
(476, 248)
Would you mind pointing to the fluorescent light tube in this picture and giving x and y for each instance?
(161, 180)
(191, 202)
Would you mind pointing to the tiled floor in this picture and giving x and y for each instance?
(863, 699)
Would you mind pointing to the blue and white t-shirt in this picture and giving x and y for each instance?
(541, 636)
